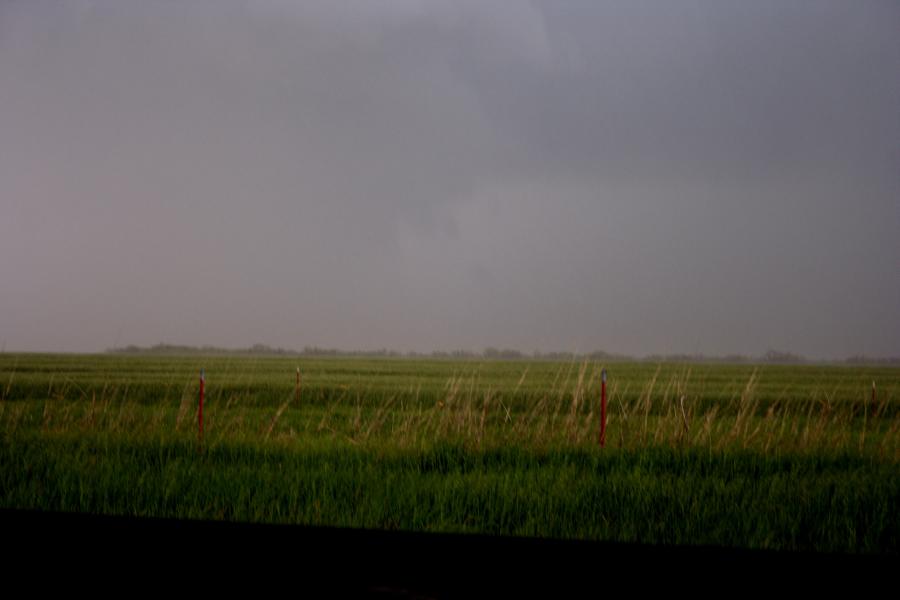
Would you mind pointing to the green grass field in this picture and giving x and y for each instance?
(777, 457)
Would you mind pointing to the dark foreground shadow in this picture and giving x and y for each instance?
(328, 562)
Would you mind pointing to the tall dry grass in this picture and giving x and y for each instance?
(673, 412)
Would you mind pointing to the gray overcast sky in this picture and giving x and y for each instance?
(637, 177)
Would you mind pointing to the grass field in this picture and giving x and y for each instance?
(778, 457)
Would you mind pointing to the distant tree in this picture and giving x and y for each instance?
(778, 357)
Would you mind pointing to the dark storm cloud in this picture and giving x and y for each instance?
(639, 177)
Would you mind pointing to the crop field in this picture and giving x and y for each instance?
(742, 456)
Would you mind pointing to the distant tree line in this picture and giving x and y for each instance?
(182, 349)
(492, 353)
(868, 360)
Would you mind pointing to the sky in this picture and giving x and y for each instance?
(636, 177)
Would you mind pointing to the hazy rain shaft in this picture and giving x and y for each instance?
(637, 177)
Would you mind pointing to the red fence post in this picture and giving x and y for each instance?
(603, 408)
(200, 412)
